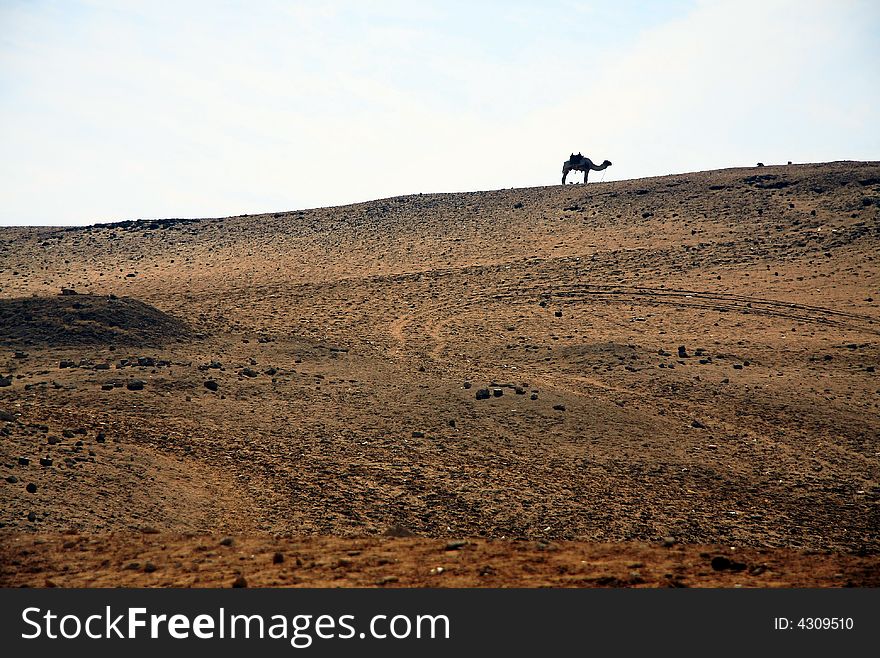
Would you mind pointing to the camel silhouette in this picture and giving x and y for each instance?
(581, 163)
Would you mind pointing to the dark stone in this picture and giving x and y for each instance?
(418, 435)
(149, 567)
(135, 385)
(737, 366)
(559, 407)
(467, 385)
(6, 416)
(32, 516)
(6, 381)
(68, 434)
(497, 392)
(682, 352)
(12, 479)
(146, 361)
(23, 461)
(533, 396)
(101, 438)
(249, 372)
(278, 558)
(455, 545)
(45, 461)
(398, 530)
(31, 488)
(720, 563)
(211, 385)
(483, 394)
(451, 422)
(558, 314)
(227, 541)
(698, 425)
(239, 582)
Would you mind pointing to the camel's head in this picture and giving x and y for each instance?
(607, 163)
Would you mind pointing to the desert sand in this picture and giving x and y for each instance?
(653, 382)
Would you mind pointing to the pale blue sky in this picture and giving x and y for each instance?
(124, 110)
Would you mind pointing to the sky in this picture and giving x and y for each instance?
(114, 110)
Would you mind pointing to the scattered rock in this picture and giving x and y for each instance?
(278, 558)
(227, 541)
(559, 407)
(398, 530)
(558, 314)
(682, 352)
(31, 488)
(497, 392)
(722, 563)
(211, 385)
(149, 567)
(455, 545)
(32, 516)
(135, 385)
(239, 582)
(418, 435)
(483, 394)
(698, 425)
(250, 372)
(45, 461)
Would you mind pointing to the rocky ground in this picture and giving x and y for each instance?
(689, 359)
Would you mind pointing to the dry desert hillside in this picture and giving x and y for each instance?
(653, 368)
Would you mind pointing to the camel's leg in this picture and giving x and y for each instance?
(565, 171)
(586, 175)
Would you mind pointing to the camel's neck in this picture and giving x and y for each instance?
(596, 167)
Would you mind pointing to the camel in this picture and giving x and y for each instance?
(581, 163)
